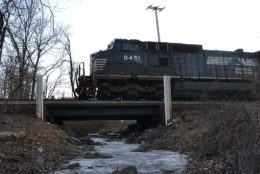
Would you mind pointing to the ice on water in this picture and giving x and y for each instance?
(152, 162)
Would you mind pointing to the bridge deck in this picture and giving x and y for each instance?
(103, 110)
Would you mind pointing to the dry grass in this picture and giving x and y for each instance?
(233, 139)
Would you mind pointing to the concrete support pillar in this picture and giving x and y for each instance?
(39, 98)
(167, 99)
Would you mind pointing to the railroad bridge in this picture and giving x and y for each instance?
(142, 111)
(57, 111)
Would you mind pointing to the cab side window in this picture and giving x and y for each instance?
(130, 47)
(135, 47)
(126, 47)
(117, 46)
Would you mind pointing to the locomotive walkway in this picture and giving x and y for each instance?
(58, 111)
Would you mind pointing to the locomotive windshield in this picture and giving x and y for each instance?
(114, 45)
(111, 45)
(123, 45)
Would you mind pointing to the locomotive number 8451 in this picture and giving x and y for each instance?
(132, 69)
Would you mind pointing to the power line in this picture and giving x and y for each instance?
(155, 9)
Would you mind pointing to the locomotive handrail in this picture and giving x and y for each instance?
(83, 69)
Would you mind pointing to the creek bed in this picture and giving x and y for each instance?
(123, 155)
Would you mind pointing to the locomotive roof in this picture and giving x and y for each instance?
(138, 41)
(180, 46)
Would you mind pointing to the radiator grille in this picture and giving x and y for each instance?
(99, 64)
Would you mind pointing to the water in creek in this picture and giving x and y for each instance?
(153, 162)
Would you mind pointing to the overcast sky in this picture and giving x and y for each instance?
(216, 24)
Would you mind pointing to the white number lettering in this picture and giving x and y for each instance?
(134, 58)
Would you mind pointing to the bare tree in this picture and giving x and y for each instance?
(45, 40)
(52, 85)
(5, 11)
(9, 77)
(32, 36)
(72, 64)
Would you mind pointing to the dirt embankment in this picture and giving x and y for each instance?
(225, 140)
(28, 145)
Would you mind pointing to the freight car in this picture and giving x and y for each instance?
(132, 69)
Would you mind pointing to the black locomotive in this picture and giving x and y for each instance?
(132, 69)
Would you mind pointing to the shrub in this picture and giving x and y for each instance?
(234, 139)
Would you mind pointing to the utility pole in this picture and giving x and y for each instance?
(155, 9)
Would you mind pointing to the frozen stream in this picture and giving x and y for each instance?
(153, 162)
